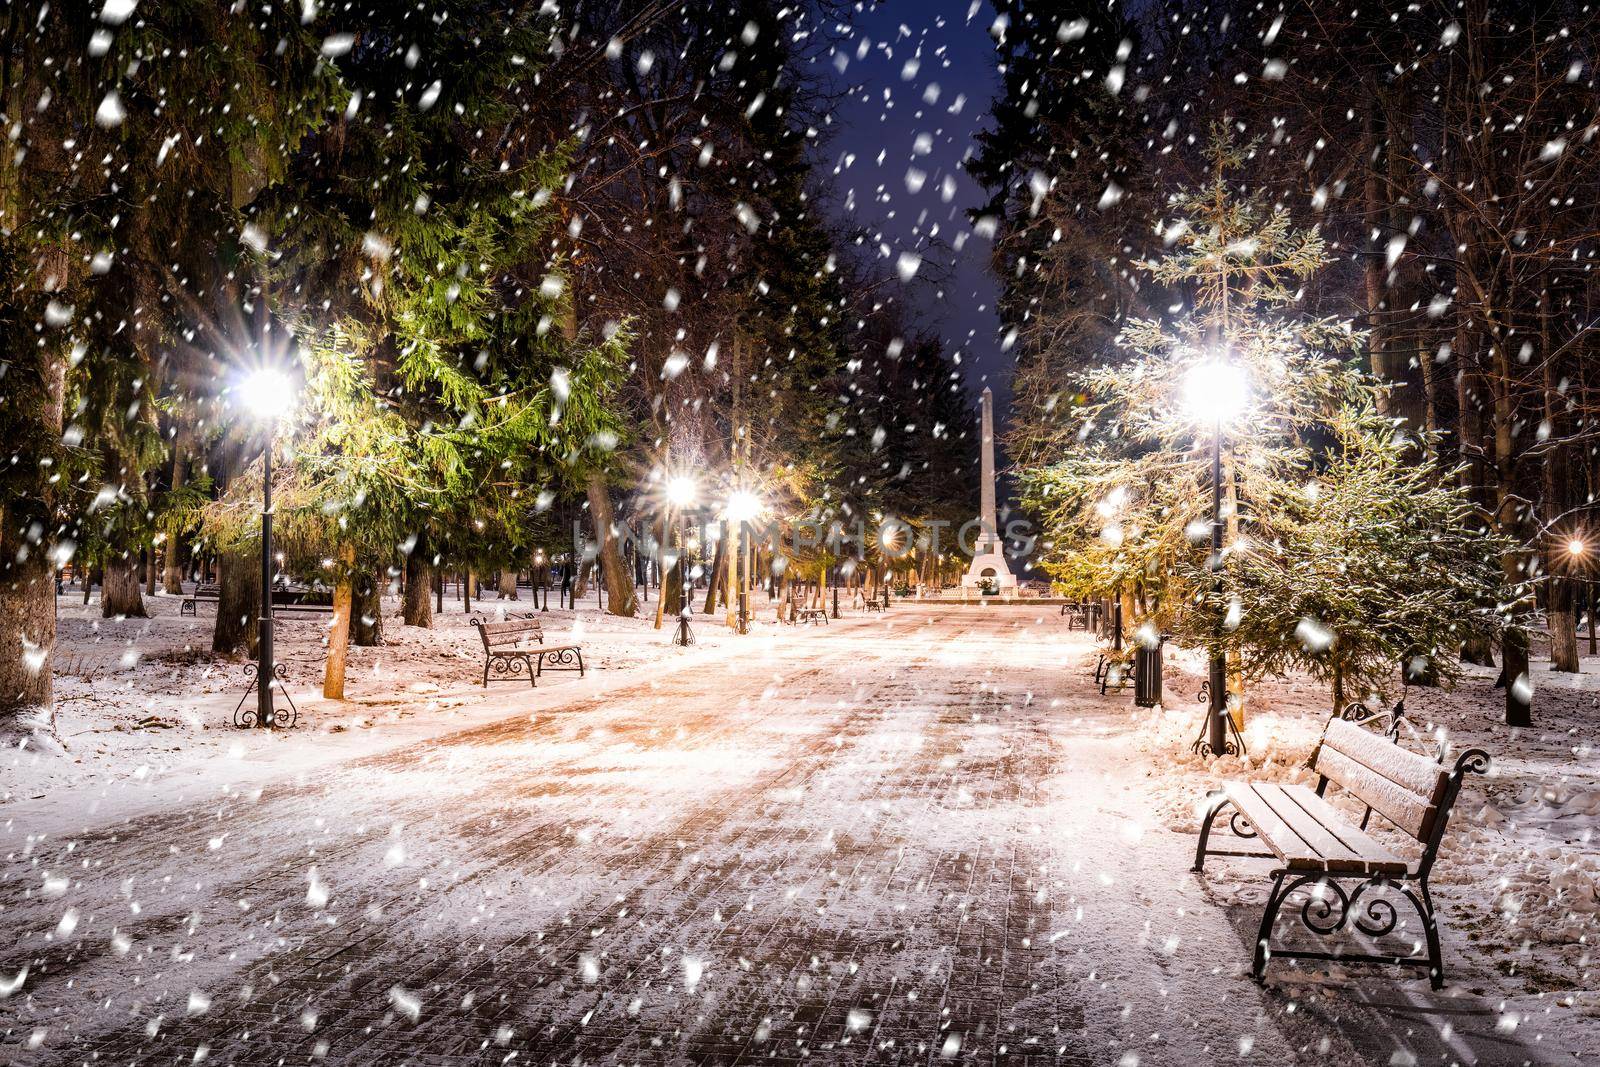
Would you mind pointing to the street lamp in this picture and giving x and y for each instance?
(681, 494)
(1216, 392)
(269, 395)
(743, 507)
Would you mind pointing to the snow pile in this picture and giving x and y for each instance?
(1278, 748)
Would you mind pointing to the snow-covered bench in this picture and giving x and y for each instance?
(508, 652)
(1333, 859)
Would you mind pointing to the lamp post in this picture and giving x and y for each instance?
(1578, 557)
(270, 396)
(743, 507)
(681, 494)
(1216, 392)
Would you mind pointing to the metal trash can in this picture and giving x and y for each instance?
(1147, 675)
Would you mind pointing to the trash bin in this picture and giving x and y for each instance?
(1147, 675)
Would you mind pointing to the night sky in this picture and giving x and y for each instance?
(920, 78)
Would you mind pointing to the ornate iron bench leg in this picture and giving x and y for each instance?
(1221, 802)
(486, 670)
(580, 663)
(1258, 965)
(1430, 928)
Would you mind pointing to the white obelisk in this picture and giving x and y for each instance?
(988, 559)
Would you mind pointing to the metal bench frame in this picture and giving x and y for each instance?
(509, 664)
(188, 605)
(1331, 906)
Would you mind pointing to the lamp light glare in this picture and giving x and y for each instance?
(268, 393)
(1577, 546)
(1215, 391)
(681, 491)
(743, 506)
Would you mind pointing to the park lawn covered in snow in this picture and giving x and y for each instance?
(142, 699)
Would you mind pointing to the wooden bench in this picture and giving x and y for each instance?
(1322, 851)
(284, 601)
(876, 605)
(811, 615)
(1114, 668)
(507, 650)
(201, 592)
(1080, 615)
(297, 607)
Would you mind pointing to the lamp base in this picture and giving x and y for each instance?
(249, 717)
(1234, 746)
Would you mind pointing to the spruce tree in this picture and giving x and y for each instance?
(1310, 468)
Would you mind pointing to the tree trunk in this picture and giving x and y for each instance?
(1559, 612)
(339, 631)
(667, 596)
(172, 571)
(580, 586)
(27, 627)
(366, 612)
(1563, 626)
(1377, 218)
(416, 605)
(119, 595)
(239, 602)
(718, 573)
(150, 571)
(1478, 648)
(508, 583)
(1511, 522)
(620, 592)
(30, 409)
(1514, 669)
(172, 580)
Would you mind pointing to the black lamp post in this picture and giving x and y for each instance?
(681, 494)
(270, 395)
(1216, 392)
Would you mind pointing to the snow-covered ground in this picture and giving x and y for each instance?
(920, 837)
(138, 700)
(1518, 879)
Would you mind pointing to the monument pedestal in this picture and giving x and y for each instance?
(989, 565)
(989, 559)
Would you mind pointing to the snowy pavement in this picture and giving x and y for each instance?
(920, 838)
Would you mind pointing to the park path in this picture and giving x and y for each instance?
(920, 839)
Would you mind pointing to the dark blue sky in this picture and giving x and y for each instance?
(922, 75)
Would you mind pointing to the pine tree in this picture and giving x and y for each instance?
(1316, 482)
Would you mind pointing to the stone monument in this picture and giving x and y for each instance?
(989, 558)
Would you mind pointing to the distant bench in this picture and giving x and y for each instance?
(508, 653)
(1319, 849)
(201, 592)
(284, 601)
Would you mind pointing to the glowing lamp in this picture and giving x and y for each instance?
(1216, 391)
(681, 491)
(268, 393)
(743, 506)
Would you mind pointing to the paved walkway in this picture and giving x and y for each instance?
(919, 839)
